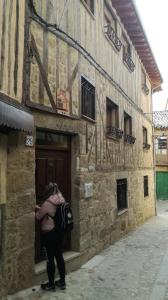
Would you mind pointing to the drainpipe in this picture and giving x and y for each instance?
(154, 166)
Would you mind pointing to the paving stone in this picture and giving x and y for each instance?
(136, 267)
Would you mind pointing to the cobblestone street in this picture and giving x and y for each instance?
(136, 267)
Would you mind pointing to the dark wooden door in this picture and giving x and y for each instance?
(51, 166)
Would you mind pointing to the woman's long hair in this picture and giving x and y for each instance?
(50, 189)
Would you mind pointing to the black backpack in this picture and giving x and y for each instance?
(63, 218)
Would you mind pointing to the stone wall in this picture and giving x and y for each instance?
(18, 243)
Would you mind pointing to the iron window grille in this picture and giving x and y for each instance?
(114, 132)
(145, 89)
(87, 99)
(129, 139)
(127, 54)
(146, 146)
(122, 194)
(129, 62)
(162, 143)
(146, 192)
(111, 25)
(112, 35)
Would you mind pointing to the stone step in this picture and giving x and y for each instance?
(72, 262)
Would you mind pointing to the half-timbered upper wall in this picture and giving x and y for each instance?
(12, 20)
(75, 18)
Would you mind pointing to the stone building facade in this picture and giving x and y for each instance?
(84, 73)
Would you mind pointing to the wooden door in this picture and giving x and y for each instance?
(51, 166)
(162, 185)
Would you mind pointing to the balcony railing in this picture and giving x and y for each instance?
(113, 37)
(127, 59)
(129, 139)
(114, 132)
(145, 88)
(146, 146)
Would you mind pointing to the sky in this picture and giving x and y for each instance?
(154, 18)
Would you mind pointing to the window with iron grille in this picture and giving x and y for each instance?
(127, 53)
(122, 194)
(110, 25)
(112, 120)
(146, 193)
(126, 46)
(128, 138)
(162, 143)
(143, 82)
(127, 124)
(87, 99)
(90, 4)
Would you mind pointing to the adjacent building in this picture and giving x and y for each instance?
(161, 153)
(76, 84)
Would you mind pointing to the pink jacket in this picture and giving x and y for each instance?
(48, 209)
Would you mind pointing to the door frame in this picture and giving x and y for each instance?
(67, 150)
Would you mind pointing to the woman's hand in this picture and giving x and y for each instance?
(37, 207)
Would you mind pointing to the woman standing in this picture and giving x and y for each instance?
(52, 238)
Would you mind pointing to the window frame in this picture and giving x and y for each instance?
(162, 138)
(113, 110)
(84, 106)
(112, 120)
(144, 86)
(122, 205)
(146, 185)
(127, 124)
(128, 137)
(127, 53)
(145, 136)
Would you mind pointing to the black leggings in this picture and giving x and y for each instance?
(53, 243)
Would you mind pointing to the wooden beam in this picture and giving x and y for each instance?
(42, 72)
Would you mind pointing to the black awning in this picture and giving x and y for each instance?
(16, 116)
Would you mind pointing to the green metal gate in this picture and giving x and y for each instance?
(162, 185)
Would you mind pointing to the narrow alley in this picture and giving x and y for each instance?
(136, 267)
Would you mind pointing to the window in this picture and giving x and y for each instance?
(52, 139)
(112, 120)
(87, 99)
(145, 139)
(127, 124)
(90, 4)
(110, 23)
(121, 194)
(127, 54)
(146, 193)
(126, 46)
(128, 129)
(144, 135)
(161, 145)
(109, 16)
(143, 81)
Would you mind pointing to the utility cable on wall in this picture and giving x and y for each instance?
(72, 42)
